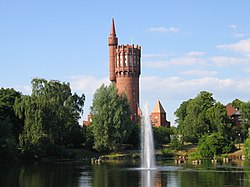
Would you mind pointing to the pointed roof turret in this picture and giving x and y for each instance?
(112, 30)
(158, 108)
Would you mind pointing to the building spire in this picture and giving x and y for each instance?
(112, 30)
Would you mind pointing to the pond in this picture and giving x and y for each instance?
(121, 173)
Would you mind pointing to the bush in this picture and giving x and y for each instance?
(247, 146)
(167, 152)
(194, 156)
(214, 144)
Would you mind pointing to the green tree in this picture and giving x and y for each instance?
(218, 119)
(247, 146)
(214, 144)
(191, 117)
(237, 103)
(162, 135)
(111, 118)
(10, 125)
(245, 118)
(50, 116)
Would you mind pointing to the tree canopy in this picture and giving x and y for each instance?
(50, 114)
(201, 115)
(10, 126)
(111, 118)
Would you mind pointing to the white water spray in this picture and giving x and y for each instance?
(147, 141)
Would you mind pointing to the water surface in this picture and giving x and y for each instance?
(121, 173)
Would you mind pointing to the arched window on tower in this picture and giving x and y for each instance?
(121, 60)
(130, 58)
(125, 60)
(135, 59)
(117, 60)
(156, 119)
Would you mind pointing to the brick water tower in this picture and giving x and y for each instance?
(125, 69)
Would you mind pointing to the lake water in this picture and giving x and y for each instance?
(121, 173)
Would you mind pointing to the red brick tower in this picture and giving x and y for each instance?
(158, 116)
(125, 69)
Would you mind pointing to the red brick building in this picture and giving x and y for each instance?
(233, 114)
(158, 116)
(125, 69)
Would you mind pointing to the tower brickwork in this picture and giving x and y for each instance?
(125, 69)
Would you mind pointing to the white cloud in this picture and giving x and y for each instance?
(232, 26)
(87, 84)
(163, 29)
(187, 61)
(222, 61)
(178, 88)
(155, 64)
(196, 72)
(246, 69)
(243, 46)
(156, 55)
(183, 61)
(26, 90)
(196, 53)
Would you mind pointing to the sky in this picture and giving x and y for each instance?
(187, 46)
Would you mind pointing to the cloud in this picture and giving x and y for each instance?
(156, 55)
(235, 31)
(156, 64)
(196, 53)
(222, 61)
(163, 29)
(26, 90)
(196, 72)
(232, 26)
(243, 46)
(188, 61)
(86, 84)
(246, 69)
(179, 88)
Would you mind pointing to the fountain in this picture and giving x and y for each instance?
(147, 142)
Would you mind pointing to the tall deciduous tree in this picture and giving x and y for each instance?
(10, 126)
(51, 113)
(111, 118)
(191, 116)
(202, 115)
(245, 118)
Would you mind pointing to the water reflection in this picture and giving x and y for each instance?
(83, 174)
(148, 178)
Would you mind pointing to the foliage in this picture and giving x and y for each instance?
(111, 118)
(167, 152)
(51, 116)
(245, 118)
(191, 117)
(89, 137)
(194, 156)
(134, 137)
(10, 126)
(247, 146)
(8, 146)
(162, 135)
(175, 142)
(214, 144)
(202, 115)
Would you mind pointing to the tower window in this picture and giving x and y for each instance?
(130, 58)
(121, 59)
(135, 60)
(156, 119)
(125, 59)
(117, 60)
